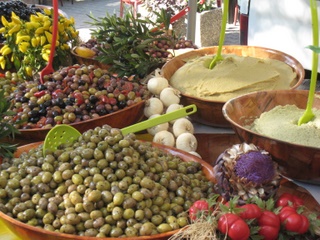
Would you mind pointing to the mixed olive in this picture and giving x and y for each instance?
(72, 94)
(9, 82)
(103, 185)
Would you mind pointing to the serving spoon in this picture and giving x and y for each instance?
(49, 68)
(308, 114)
(64, 133)
(218, 57)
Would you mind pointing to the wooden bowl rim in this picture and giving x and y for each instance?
(86, 121)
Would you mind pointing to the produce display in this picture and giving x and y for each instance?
(21, 9)
(286, 119)
(27, 39)
(72, 94)
(131, 46)
(284, 218)
(9, 82)
(107, 184)
(178, 133)
(104, 184)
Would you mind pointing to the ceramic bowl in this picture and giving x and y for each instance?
(119, 119)
(27, 232)
(210, 112)
(297, 161)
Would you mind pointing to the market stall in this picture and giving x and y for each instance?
(100, 179)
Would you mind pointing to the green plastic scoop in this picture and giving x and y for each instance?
(308, 115)
(63, 133)
(218, 57)
(59, 134)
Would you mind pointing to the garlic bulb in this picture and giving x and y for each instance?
(156, 84)
(159, 127)
(187, 142)
(182, 125)
(169, 96)
(153, 106)
(173, 107)
(164, 137)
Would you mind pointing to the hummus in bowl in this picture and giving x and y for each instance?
(244, 69)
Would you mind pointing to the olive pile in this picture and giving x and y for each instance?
(72, 94)
(163, 47)
(103, 185)
(9, 82)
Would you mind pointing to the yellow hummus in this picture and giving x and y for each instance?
(281, 123)
(234, 76)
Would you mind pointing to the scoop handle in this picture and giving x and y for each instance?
(182, 112)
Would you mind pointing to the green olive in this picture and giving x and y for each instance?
(118, 198)
(77, 179)
(98, 154)
(139, 215)
(147, 229)
(164, 227)
(147, 183)
(105, 229)
(131, 231)
(128, 213)
(138, 196)
(87, 153)
(117, 213)
(116, 232)
(94, 196)
(182, 221)
(157, 219)
(48, 218)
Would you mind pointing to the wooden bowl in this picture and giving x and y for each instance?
(119, 119)
(296, 161)
(211, 145)
(27, 232)
(210, 112)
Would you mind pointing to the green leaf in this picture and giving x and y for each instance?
(314, 48)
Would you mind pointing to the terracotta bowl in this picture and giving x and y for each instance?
(27, 232)
(120, 119)
(210, 112)
(296, 161)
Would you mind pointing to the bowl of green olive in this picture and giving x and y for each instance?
(112, 187)
(84, 96)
